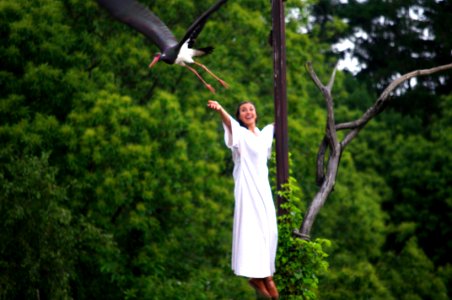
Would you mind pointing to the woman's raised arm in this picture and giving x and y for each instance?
(212, 104)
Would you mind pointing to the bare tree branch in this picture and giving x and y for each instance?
(326, 177)
(333, 76)
(325, 180)
(320, 177)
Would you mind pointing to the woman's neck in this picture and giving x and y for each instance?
(252, 128)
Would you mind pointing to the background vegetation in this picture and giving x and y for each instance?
(115, 183)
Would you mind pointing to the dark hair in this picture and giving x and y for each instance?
(237, 112)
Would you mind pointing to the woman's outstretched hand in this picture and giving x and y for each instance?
(212, 104)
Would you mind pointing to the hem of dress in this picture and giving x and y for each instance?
(247, 275)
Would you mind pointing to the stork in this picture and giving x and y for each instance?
(172, 51)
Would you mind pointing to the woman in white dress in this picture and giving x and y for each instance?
(255, 233)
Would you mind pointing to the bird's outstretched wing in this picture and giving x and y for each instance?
(141, 19)
(198, 25)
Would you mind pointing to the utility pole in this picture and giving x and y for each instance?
(280, 95)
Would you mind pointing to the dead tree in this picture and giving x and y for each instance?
(330, 149)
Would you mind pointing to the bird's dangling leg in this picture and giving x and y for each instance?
(222, 82)
(200, 78)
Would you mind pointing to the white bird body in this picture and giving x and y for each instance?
(186, 55)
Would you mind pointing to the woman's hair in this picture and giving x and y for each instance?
(237, 112)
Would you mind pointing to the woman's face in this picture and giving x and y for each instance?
(247, 114)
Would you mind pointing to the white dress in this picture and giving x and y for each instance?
(255, 232)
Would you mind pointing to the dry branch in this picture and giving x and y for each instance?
(326, 176)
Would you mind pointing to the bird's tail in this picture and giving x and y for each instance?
(204, 51)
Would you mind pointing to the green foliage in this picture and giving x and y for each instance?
(359, 280)
(391, 38)
(411, 274)
(37, 241)
(299, 262)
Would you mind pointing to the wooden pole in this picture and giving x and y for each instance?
(280, 97)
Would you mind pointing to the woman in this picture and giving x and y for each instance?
(255, 232)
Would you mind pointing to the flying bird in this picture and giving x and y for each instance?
(172, 51)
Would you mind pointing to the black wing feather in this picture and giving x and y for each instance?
(195, 29)
(141, 19)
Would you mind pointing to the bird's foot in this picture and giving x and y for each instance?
(210, 88)
(223, 83)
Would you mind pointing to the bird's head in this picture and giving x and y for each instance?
(155, 60)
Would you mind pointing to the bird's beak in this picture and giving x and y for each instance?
(154, 61)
